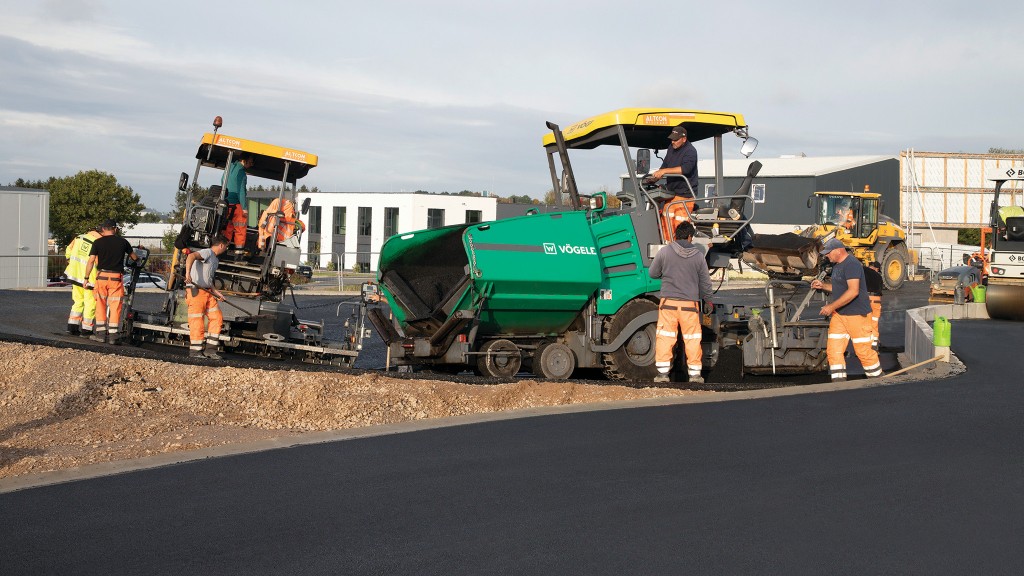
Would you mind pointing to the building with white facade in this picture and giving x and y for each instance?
(349, 228)
(149, 234)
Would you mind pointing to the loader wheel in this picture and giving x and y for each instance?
(634, 360)
(499, 359)
(894, 268)
(554, 361)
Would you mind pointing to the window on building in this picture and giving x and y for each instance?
(365, 220)
(314, 219)
(390, 222)
(435, 218)
(340, 213)
(474, 216)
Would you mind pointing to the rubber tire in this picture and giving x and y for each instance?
(894, 268)
(503, 366)
(634, 360)
(554, 361)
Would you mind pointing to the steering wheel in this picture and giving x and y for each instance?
(649, 183)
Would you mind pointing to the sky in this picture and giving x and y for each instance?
(452, 95)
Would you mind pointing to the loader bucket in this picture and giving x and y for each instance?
(783, 253)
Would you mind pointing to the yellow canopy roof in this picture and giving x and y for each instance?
(269, 160)
(646, 127)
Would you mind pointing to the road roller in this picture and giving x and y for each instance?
(1004, 298)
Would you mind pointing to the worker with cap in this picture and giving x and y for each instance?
(850, 312)
(202, 298)
(237, 216)
(83, 307)
(681, 160)
(107, 255)
(685, 283)
(873, 278)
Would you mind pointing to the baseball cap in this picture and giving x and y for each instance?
(831, 245)
(109, 224)
(677, 133)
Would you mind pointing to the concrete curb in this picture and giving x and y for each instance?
(918, 334)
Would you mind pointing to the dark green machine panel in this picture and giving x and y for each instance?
(536, 272)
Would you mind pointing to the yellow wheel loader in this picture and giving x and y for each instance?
(856, 219)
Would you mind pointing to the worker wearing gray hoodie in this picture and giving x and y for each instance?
(685, 283)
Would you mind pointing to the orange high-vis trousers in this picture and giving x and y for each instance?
(237, 221)
(109, 292)
(845, 329)
(876, 313)
(676, 316)
(202, 303)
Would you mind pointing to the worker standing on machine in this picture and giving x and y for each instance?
(873, 278)
(83, 307)
(685, 283)
(850, 310)
(107, 255)
(202, 298)
(237, 216)
(680, 159)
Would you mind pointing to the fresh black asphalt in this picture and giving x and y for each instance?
(916, 478)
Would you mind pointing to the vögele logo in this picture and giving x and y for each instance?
(549, 248)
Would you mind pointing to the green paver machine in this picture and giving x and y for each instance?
(553, 292)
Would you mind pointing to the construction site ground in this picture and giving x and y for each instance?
(66, 402)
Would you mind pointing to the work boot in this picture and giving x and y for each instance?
(74, 330)
(696, 379)
(98, 338)
(661, 378)
(212, 355)
(839, 379)
(85, 333)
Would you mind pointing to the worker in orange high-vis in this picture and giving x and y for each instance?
(83, 307)
(202, 298)
(850, 312)
(844, 215)
(873, 277)
(238, 216)
(685, 283)
(269, 222)
(107, 255)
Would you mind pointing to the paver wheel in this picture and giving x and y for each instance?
(499, 359)
(554, 361)
(634, 360)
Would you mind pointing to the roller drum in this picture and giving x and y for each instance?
(1004, 301)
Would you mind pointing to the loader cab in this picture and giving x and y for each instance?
(856, 214)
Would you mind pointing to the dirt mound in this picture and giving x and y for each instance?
(64, 408)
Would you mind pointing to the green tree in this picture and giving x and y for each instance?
(971, 236)
(82, 201)
(151, 217)
(1005, 151)
(167, 242)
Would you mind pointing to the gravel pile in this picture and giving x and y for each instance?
(62, 408)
